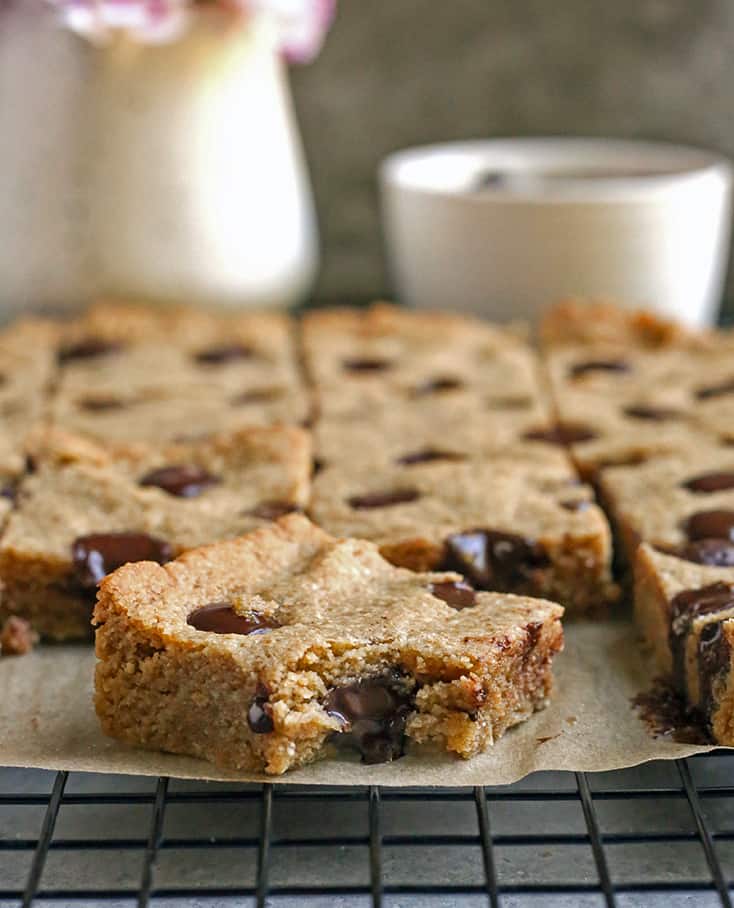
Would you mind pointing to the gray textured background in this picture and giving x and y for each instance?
(401, 72)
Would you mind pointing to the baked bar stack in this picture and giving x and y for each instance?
(263, 652)
(654, 400)
(434, 440)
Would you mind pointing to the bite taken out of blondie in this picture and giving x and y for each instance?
(269, 651)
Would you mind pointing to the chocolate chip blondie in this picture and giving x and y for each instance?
(362, 361)
(160, 374)
(269, 651)
(27, 363)
(513, 525)
(85, 509)
(682, 502)
(686, 612)
(629, 387)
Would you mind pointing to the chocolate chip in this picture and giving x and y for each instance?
(726, 387)
(562, 434)
(97, 554)
(428, 455)
(373, 713)
(272, 510)
(714, 658)
(366, 365)
(710, 482)
(714, 552)
(598, 365)
(181, 480)
(88, 348)
(685, 607)
(318, 465)
(260, 713)
(257, 396)
(101, 404)
(716, 524)
(494, 560)
(222, 354)
(221, 618)
(456, 593)
(651, 414)
(519, 402)
(383, 499)
(579, 504)
(438, 385)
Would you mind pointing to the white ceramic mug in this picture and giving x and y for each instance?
(503, 227)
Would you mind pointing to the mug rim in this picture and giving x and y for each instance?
(667, 167)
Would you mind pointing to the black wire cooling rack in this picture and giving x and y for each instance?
(657, 835)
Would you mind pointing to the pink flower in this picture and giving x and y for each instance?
(302, 24)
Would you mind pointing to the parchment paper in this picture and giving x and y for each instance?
(47, 721)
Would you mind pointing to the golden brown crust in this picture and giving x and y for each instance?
(590, 322)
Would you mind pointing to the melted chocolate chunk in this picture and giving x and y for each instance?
(438, 385)
(562, 434)
(373, 713)
(714, 658)
(97, 554)
(456, 593)
(684, 609)
(519, 402)
(493, 560)
(101, 404)
(651, 414)
(272, 510)
(257, 396)
(8, 492)
(89, 348)
(221, 618)
(181, 480)
(428, 455)
(716, 524)
(710, 482)
(581, 504)
(667, 715)
(720, 390)
(222, 354)
(366, 365)
(383, 499)
(598, 365)
(715, 552)
(260, 713)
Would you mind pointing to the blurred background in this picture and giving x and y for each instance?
(174, 171)
(395, 74)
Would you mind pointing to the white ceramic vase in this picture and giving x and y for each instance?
(189, 182)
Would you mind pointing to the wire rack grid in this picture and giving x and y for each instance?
(657, 835)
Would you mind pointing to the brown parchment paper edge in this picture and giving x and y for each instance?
(47, 722)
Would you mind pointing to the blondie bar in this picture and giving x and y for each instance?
(262, 652)
(27, 364)
(361, 361)
(686, 611)
(85, 509)
(678, 502)
(508, 524)
(629, 387)
(158, 374)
